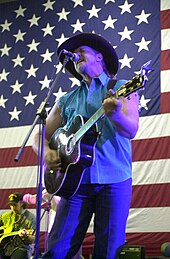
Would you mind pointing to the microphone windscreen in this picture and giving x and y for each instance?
(165, 249)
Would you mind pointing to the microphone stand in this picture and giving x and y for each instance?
(47, 209)
(41, 113)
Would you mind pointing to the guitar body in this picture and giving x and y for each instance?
(75, 157)
(9, 242)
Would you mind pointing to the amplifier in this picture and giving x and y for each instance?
(132, 252)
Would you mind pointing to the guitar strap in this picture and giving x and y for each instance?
(20, 222)
(111, 83)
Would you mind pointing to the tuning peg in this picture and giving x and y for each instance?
(146, 64)
(145, 69)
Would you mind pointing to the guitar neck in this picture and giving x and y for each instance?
(88, 124)
(14, 233)
(129, 87)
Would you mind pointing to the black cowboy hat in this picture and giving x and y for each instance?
(94, 41)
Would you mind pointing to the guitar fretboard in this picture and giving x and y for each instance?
(89, 123)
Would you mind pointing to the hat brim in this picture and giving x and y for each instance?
(94, 41)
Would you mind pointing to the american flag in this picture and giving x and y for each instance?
(139, 30)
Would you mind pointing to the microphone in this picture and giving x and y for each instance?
(73, 56)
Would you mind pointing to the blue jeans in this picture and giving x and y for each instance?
(110, 205)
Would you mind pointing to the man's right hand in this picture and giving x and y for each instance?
(52, 159)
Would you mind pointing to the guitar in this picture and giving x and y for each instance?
(9, 241)
(76, 144)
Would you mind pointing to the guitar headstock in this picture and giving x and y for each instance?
(145, 69)
(136, 83)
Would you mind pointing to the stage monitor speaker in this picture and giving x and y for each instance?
(132, 252)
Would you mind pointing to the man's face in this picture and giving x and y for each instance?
(88, 59)
(16, 208)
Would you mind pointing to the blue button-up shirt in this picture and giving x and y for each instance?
(112, 152)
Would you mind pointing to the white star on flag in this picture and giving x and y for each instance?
(125, 61)
(142, 17)
(3, 101)
(19, 36)
(126, 34)
(3, 75)
(6, 26)
(143, 102)
(143, 44)
(63, 15)
(48, 5)
(94, 12)
(61, 39)
(15, 114)
(45, 82)
(5, 50)
(31, 71)
(77, 2)
(47, 56)
(16, 87)
(74, 81)
(126, 7)
(78, 26)
(20, 11)
(29, 98)
(33, 46)
(109, 23)
(18, 60)
(107, 1)
(34, 20)
(59, 94)
(48, 29)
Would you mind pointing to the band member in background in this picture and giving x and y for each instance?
(106, 186)
(52, 203)
(17, 229)
(47, 199)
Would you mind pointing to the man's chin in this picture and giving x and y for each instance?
(80, 67)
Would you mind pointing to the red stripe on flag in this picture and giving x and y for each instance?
(151, 241)
(143, 150)
(4, 193)
(28, 157)
(151, 149)
(154, 192)
(165, 59)
(165, 19)
(164, 102)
